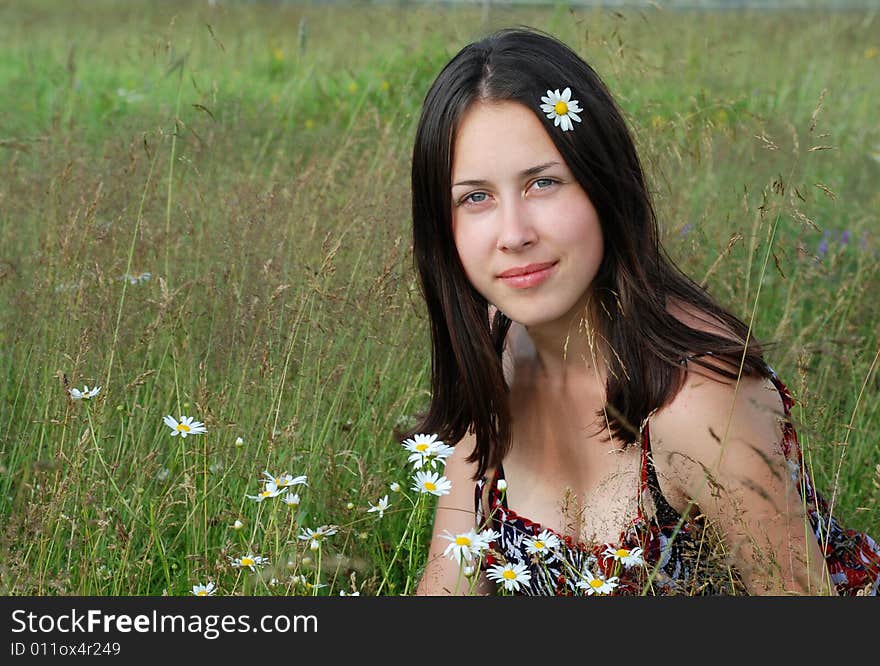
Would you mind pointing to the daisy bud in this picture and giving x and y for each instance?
(239, 441)
(395, 487)
(237, 525)
(306, 562)
(315, 545)
(468, 571)
(502, 485)
(349, 506)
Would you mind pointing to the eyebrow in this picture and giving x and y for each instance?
(531, 171)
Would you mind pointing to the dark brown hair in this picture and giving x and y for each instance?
(634, 284)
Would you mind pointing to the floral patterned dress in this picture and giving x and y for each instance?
(664, 554)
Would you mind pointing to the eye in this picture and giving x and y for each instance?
(469, 199)
(548, 182)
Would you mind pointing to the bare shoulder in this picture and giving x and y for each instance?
(712, 416)
(692, 316)
(712, 427)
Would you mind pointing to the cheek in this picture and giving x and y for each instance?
(471, 247)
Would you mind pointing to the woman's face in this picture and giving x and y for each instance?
(517, 208)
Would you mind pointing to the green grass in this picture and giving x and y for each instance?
(263, 181)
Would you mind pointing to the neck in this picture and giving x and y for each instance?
(569, 354)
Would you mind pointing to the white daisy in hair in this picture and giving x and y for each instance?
(561, 108)
(512, 576)
(186, 426)
(431, 482)
(626, 556)
(596, 584)
(542, 544)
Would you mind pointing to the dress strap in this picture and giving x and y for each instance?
(665, 514)
(499, 474)
(492, 494)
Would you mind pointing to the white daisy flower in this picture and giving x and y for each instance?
(431, 482)
(291, 499)
(420, 442)
(86, 393)
(627, 557)
(204, 590)
(596, 584)
(381, 506)
(513, 576)
(485, 539)
(271, 490)
(186, 426)
(562, 108)
(426, 450)
(463, 546)
(285, 480)
(250, 561)
(541, 544)
(316, 537)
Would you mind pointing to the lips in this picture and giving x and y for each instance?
(525, 270)
(526, 277)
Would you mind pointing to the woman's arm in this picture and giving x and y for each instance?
(455, 514)
(721, 447)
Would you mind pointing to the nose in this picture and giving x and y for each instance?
(516, 228)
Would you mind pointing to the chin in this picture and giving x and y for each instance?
(536, 317)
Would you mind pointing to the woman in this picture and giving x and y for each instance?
(617, 428)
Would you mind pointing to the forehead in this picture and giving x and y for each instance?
(500, 138)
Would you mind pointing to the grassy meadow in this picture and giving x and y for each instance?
(205, 212)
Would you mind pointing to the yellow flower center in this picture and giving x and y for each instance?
(265, 493)
(247, 562)
(539, 544)
(509, 574)
(182, 427)
(430, 486)
(561, 108)
(621, 552)
(462, 541)
(421, 448)
(202, 593)
(596, 583)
